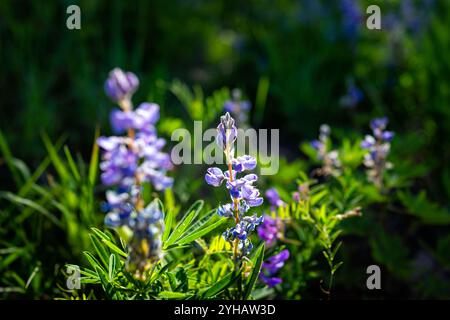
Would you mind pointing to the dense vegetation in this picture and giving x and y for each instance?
(364, 150)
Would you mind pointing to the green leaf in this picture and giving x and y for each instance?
(72, 164)
(92, 260)
(222, 285)
(114, 248)
(172, 295)
(28, 185)
(100, 234)
(336, 267)
(54, 157)
(31, 204)
(257, 262)
(102, 253)
(199, 232)
(112, 266)
(93, 165)
(168, 220)
(427, 211)
(4, 148)
(184, 223)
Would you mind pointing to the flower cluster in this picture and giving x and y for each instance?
(237, 107)
(145, 245)
(272, 228)
(130, 160)
(330, 159)
(271, 266)
(241, 190)
(274, 199)
(302, 194)
(378, 146)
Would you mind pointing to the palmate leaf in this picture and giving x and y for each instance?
(201, 228)
(184, 224)
(108, 241)
(100, 249)
(257, 262)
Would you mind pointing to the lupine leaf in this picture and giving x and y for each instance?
(112, 266)
(101, 252)
(184, 223)
(169, 217)
(92, 260)
(257, 262)
(114, 248)
(222, 285)
(199, 232)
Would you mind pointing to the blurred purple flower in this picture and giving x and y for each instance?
(121, 85)
(271, 266)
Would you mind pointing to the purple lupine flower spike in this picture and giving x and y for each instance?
(377, 146)
(127, 162)
(241, 190)
(329, 158)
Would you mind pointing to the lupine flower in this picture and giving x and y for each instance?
(121, 85)
(330, 159)
(271, 266)
(353, 96)
(238, 107)
(242, 193)
(274, 199)
(302, 194)
(352, 18)
(378, 147)
(128, 162)
(271, 230)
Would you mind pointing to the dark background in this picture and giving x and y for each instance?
(321, 62)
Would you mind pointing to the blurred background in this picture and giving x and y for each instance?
(301, 63)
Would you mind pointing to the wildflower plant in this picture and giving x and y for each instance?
(127, 163)
(242, 193)
(378, 146)
(329, 158)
